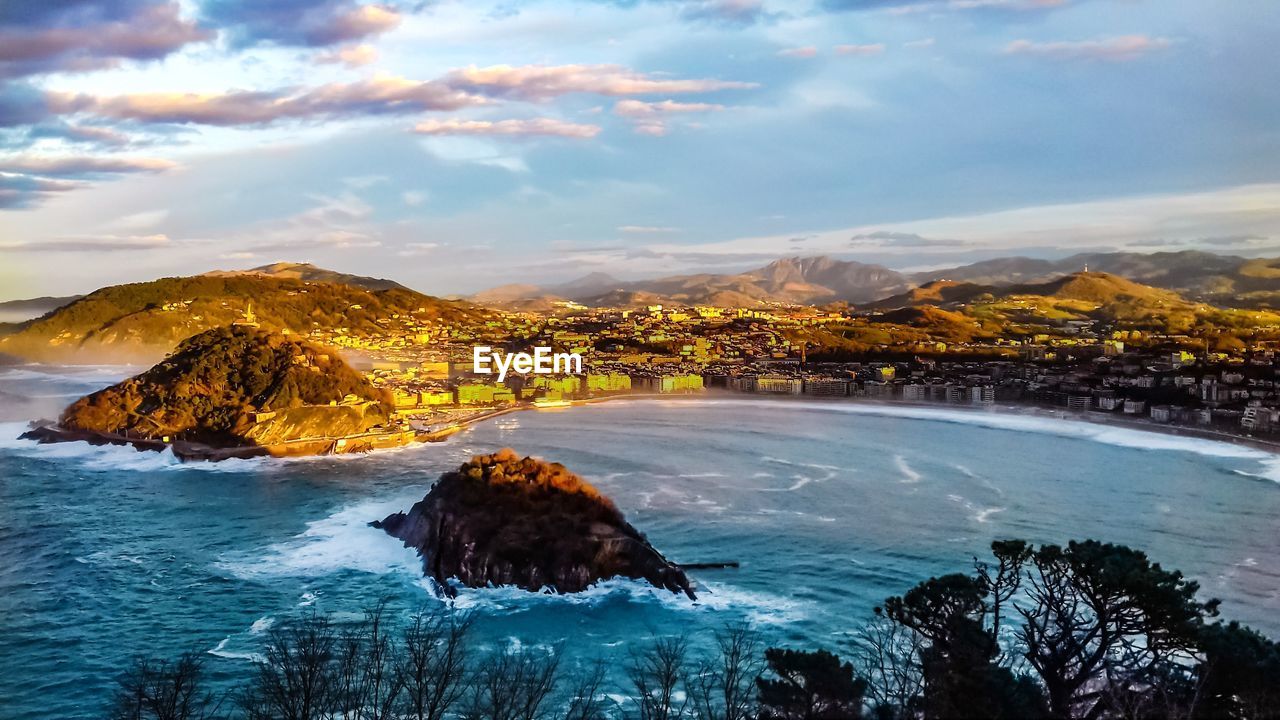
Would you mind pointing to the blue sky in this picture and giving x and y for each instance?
(459, 145)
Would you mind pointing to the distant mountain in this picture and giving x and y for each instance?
(22, 310)
(1202, 275)
(1220, 279)
(812, 280)
(141, 322)
(307, 272)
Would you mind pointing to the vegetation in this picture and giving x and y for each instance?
(143, 321)
(499, 519)
(1090, 630)
(214, 383)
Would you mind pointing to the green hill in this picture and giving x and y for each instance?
(141, 322)
(217, 386)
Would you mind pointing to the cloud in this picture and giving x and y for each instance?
(382, 94)
(97, 243)
(907, 7)
(351, 56)
(79, 166)
(920, 44)
(303, 23)
(539, 83)
(729, 12)
(1114, 49)
(887, 238)
(649, 118)
(417, 249)
(511, 128)
(860, 50)
(78, 36)
(85, 134)
(18, 192)
(21, 104)
(799, 52)
(646, 229)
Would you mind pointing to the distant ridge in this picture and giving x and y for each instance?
(1199, 275)
(307, 272)
(799, 280)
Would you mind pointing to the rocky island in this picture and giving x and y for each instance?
(502, 520)
(237, 391)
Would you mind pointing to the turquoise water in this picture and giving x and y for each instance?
(106, 553)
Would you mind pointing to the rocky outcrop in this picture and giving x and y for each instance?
(233, 387)
(503, 520)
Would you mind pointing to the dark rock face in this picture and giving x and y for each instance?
(502, 520)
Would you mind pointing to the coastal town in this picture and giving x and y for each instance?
(1093, 369)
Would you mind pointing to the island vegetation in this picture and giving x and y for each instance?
(234, 386)
(1085, 631)
(504, 520)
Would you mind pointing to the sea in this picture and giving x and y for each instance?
(107, 554)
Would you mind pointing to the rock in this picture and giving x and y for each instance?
(502, 520)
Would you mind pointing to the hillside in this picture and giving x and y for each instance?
(140, 322)
(212, 386)
(795, 280)
(934, 292)
(310, 273)
(1224, 279)
(16, 311)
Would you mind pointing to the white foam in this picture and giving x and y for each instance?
(712, 597)
(909, 475)
(1024, 422)
(340, 542)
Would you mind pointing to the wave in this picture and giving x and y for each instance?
(343, 541)
(909, 475)
(1019, 422)
(759, 608)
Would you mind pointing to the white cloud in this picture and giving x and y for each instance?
(1114, 49)
(650, 118)
(860, 50)
(808, 51)
(511, 128)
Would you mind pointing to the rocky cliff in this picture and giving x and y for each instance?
(503, 520)
(236, 386)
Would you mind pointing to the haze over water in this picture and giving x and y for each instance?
(830, 507)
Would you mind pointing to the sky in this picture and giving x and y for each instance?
(455, 146)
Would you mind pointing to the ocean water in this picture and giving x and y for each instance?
(107, 553)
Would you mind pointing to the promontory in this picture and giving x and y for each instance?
(503, 520)
(237, 391)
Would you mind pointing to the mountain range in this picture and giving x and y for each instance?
(1224, 279)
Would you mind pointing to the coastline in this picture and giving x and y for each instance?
(369, 442)
(1023, 410)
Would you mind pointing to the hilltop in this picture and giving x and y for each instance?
(140, 322)
(1225, 279)
(502, 520)
(236, 386)
(811, 280)
(310, 273)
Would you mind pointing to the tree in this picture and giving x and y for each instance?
(959, 655)
(162, 690)
(434, 664)
(513, 685)
(656, 675)
(1097, 616)
(722, 687)
(296, 679)
(1239, 676)
(809, 686)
